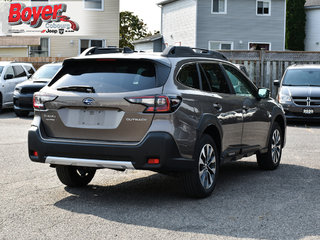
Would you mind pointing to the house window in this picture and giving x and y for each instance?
(40, 51)
(259, 46)
(86, 43)
(219, 7)
(93, 4)
(224, 45)
(264, 7)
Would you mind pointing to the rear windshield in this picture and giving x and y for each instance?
(302, 77)
(107, 75)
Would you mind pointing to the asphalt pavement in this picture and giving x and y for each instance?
(247, 203)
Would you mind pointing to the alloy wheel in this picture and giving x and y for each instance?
(207, 166)
(276, 146)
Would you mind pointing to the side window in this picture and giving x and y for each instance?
(215, 77)
(239, 82)
(205, 83)
(188, 76)
(19, 71)
(29, 69)
(9, 71)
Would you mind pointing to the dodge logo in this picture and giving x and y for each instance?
(88, 101)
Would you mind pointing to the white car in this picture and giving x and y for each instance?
(12, 73)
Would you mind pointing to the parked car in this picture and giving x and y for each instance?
(180, 112)
(299, 92)
(12, 73)
(23, 93)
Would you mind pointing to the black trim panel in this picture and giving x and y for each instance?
(155, 145)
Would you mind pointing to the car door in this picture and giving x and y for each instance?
(224, 105)
(8, 85)
(256, 118)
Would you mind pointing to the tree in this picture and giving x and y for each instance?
(295, 25)
(131, 28)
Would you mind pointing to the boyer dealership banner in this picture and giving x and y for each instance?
(39, 18)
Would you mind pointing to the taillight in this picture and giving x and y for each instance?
(39, 99)
(157, 104)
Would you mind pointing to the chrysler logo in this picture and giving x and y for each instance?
(88, 101)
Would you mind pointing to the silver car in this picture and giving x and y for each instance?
(12, 73)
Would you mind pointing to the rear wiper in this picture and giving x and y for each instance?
(86, 89)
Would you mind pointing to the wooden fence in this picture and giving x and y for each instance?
(36, 61)
(265, 66)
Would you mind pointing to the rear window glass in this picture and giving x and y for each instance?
(19, 72)
(29, 69)
(1, 69)
(188, 76)
(107, 75)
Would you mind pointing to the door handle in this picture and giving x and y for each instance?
(217, 106)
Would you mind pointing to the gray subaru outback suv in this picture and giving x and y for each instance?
(182, 111)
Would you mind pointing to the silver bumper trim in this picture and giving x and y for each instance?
(89, 162)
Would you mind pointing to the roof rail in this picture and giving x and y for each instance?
(177, 51)
(97, 50)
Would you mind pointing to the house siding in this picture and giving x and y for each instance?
(179, 23)
(312, 40)
(14, 52)
(158, 45)
(241, 24)
(147, 47)
(104, 25)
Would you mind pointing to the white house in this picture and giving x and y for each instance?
(312, 40)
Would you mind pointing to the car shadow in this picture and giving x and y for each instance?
(9, 114)
(247, 203)
(306, 124)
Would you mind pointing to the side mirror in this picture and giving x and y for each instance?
(29, 76)
(8, 76)
(276, 83)
(264, 93)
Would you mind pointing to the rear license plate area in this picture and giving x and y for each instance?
(91, 117)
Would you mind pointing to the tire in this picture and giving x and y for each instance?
(21, 113)
(75, 176)
(271, 159)
(201, 181)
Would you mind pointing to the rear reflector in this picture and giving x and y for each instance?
(35, 153)
(153, 161)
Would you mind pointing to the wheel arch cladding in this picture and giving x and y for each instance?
(213, 131)
(281, 121)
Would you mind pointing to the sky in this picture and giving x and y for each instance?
(147, 10)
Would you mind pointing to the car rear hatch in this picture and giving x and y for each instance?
(94, 99)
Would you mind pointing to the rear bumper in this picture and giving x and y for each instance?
(155, 145)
